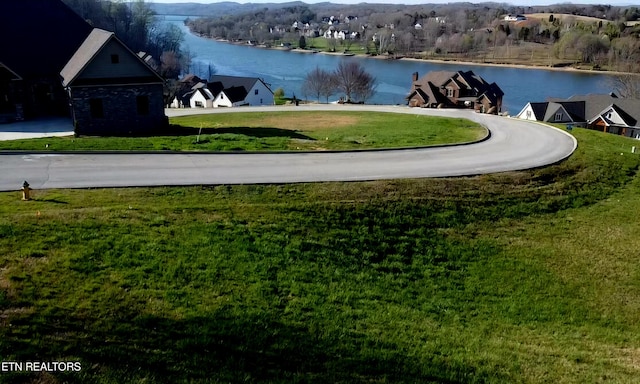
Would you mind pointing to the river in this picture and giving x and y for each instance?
(288, 69)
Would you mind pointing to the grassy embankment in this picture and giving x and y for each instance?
(523, 277)
(279, 131)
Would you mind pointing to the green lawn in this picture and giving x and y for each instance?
(522, 277)
(279, 131)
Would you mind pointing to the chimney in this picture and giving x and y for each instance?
(414, 77)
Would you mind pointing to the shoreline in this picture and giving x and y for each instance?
(434, 61)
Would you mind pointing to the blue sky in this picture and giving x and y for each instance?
(520, 2)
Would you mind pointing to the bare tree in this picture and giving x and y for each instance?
(318, 83)
(626, 85)
(354, 81)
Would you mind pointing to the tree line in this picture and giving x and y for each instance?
(136, 25)
(601, 36)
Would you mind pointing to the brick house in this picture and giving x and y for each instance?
(112, 91)
(445, 89)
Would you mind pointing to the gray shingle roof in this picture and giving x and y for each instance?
(96, 40)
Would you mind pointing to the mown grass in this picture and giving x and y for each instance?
(278, 131)
(523, 277)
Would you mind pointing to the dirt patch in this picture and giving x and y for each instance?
(308, 121)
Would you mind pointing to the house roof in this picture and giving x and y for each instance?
(92, 45)
(205, 93)
(39, 36)
(236, 81)
(7, 73)
(433, 81)
(236, 94)
(595, 104)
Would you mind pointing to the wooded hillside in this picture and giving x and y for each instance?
(597, 36)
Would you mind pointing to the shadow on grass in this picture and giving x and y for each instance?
(177, 130)
(219, 348)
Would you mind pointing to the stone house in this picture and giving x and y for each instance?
(112, 91)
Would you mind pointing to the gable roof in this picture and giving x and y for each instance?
(205, 93)
(39, 36)
(430, 94)
(236, 94)
(92, 45)
(626, 118)
(236, 81)
(433, 81)
(7, 73)
(595, 104)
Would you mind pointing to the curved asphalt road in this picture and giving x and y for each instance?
(514, 145)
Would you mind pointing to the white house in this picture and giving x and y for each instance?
(515, 18)
(234, 91)
(550, 112)
(201, 98)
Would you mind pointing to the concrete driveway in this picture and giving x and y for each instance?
(31, 129)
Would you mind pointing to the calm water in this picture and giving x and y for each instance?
(288, 69)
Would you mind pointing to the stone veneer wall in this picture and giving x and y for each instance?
(120, 110)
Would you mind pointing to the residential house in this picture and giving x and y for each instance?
(112, 91)
(53, 63)
(445, 89)
(201, 96)
(554, 112)
(606, 113)
(234, 91)
(515, 18)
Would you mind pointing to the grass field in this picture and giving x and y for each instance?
(278, 131)
(523, 277)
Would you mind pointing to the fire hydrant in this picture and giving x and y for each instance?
(26, 191)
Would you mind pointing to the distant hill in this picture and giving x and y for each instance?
(214, 9)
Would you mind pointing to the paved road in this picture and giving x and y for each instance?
(514, 145)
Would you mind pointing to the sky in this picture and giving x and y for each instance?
(514, 2)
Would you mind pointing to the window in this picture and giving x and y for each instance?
(528, 113)
(449, 92)
(96, 109)
(115, 59)
(558, 116)
(256, 92)
(199, 104)
(142, 104)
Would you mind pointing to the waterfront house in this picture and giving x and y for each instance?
(234, 91)
(445, 89)
(112, 91)
(201, 96)
(606, 113)
(554, 112)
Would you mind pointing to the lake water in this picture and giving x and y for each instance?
(288, 70)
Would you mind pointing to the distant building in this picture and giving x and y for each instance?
(515, 17)
(444, 89)
(225, 91)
